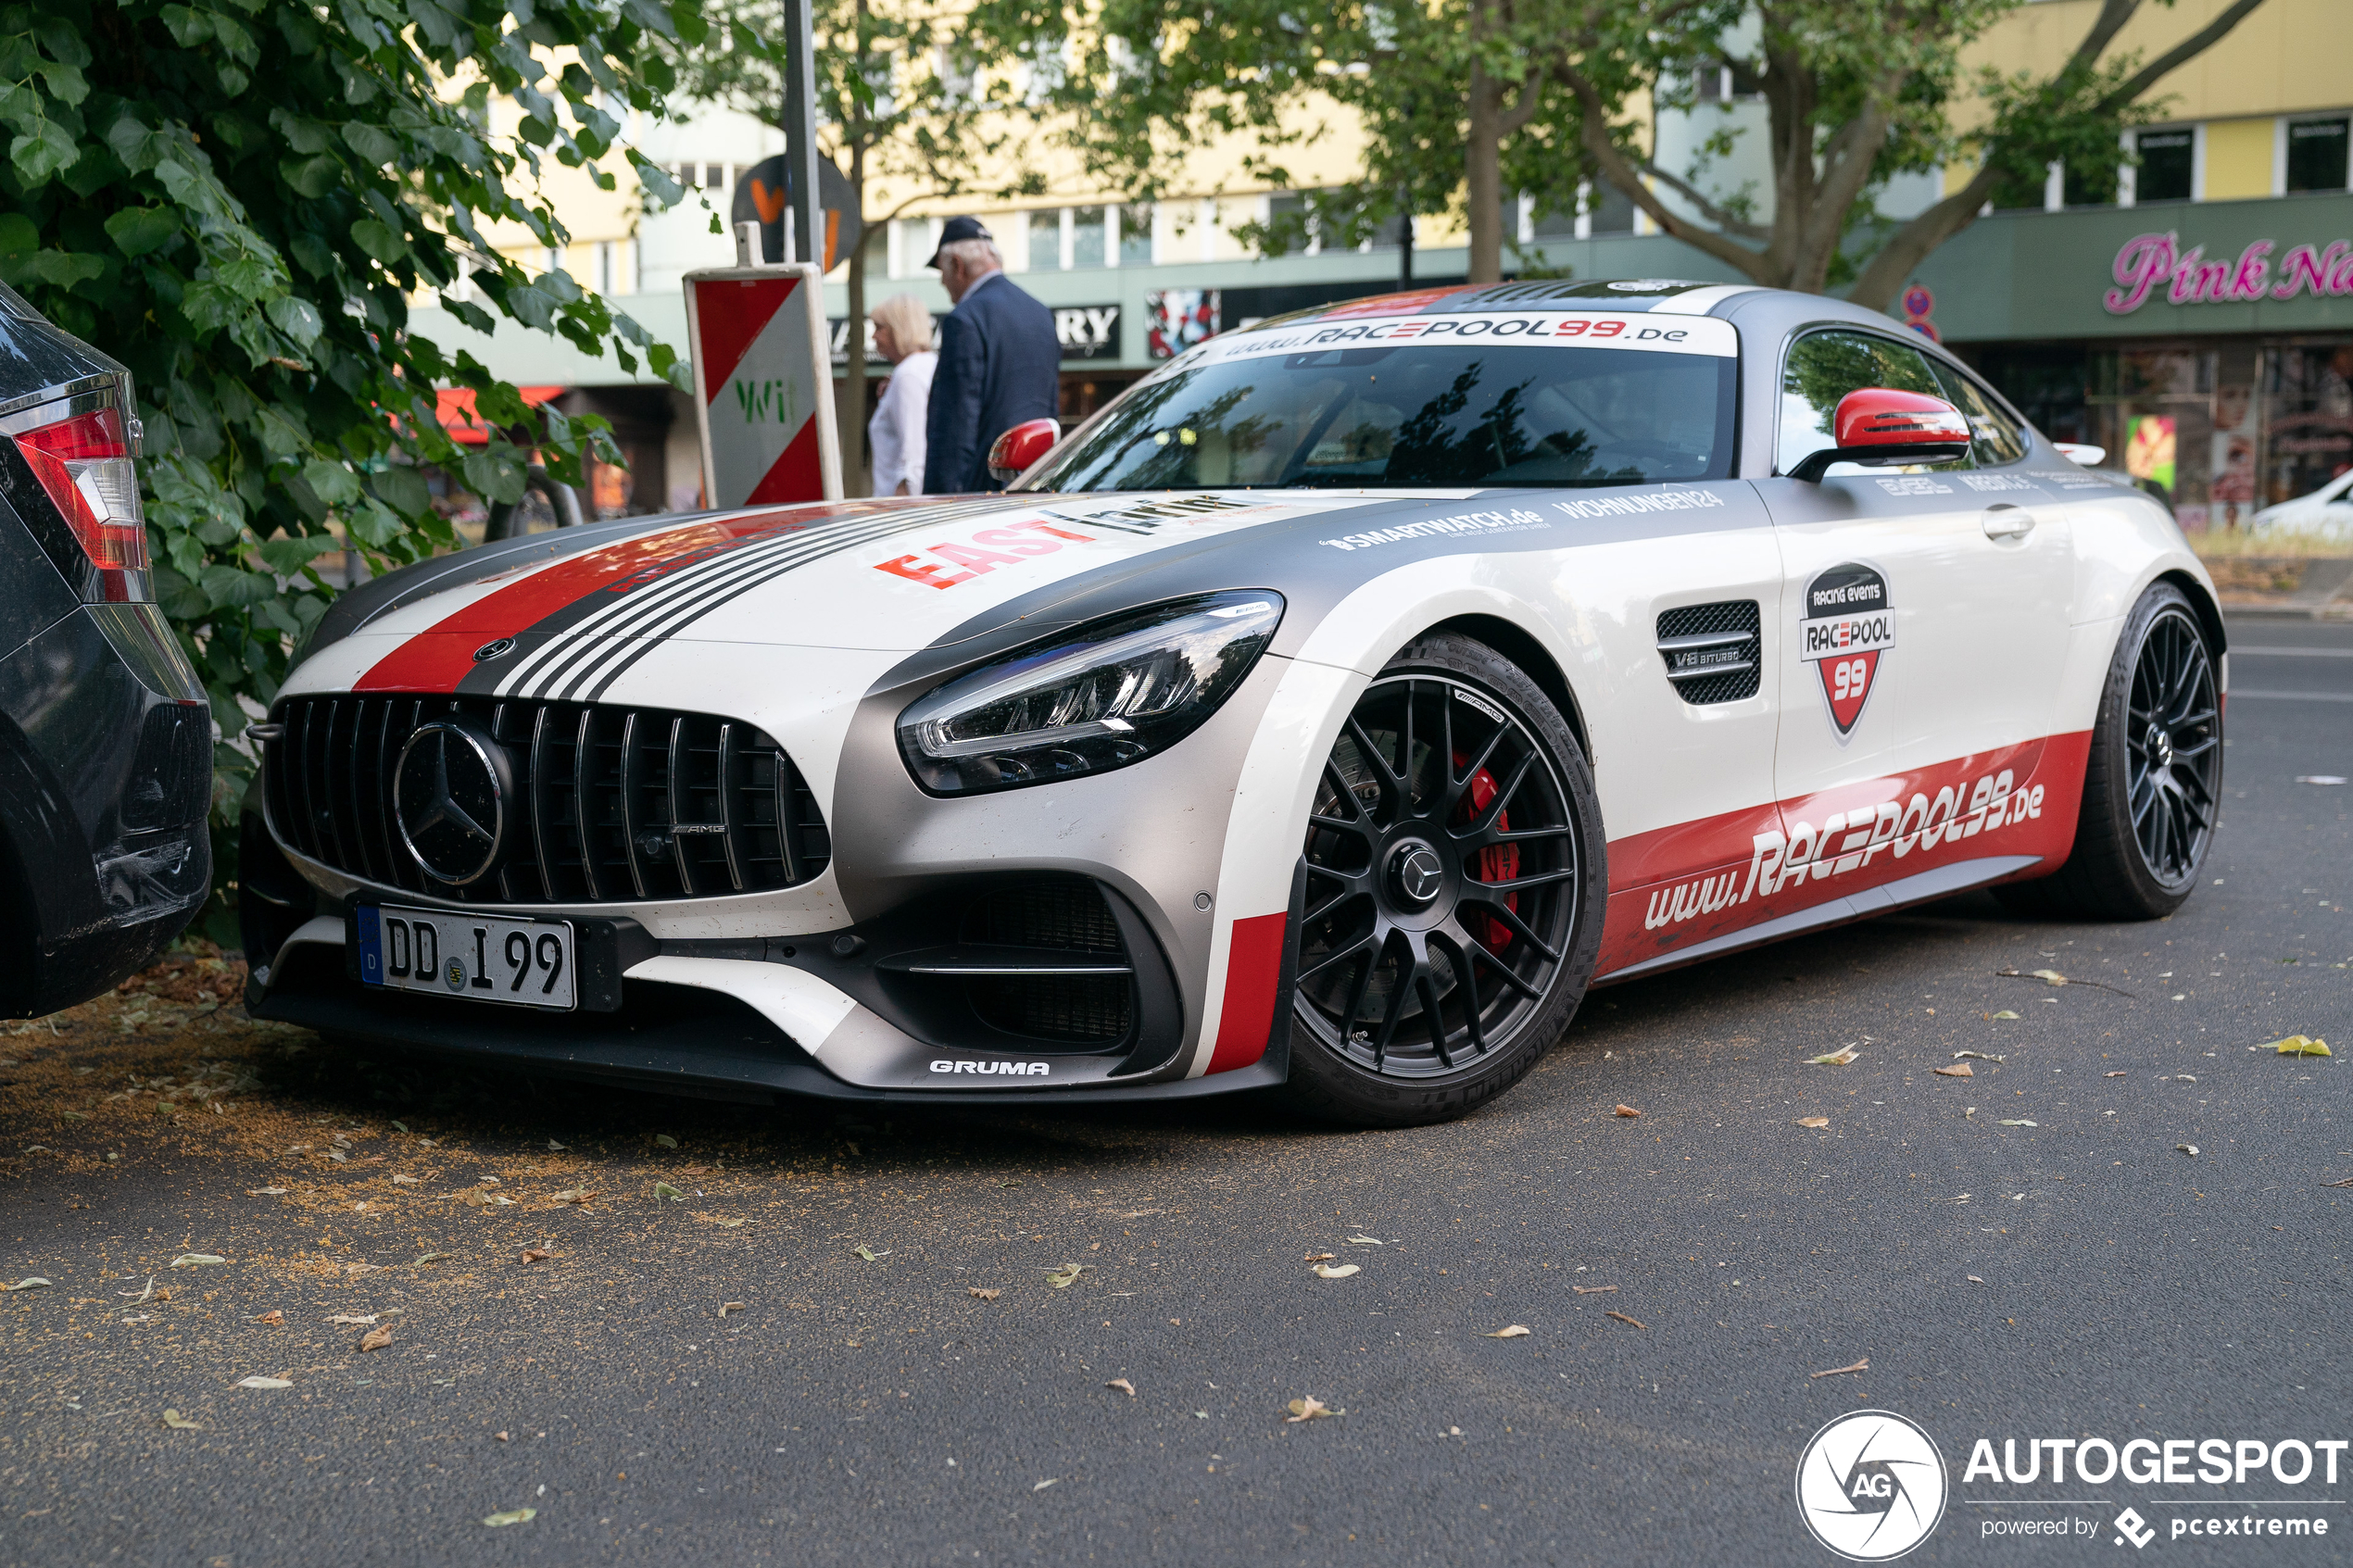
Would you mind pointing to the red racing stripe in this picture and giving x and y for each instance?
(1254, 964)
(437, 658)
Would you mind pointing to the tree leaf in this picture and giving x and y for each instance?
(138, 230)
(298, 318)
(333, 482)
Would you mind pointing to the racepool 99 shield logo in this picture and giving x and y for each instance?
(1847, 629)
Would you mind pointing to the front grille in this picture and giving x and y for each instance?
(1058, 917)
(598, 790)
(1711, 650)
(1068, 1009)
(1045, 914)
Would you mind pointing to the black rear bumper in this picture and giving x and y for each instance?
(105, 776)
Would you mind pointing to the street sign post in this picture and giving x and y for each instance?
(763, 386)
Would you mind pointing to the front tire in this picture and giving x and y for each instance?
(1454, 888)
(2152, 786)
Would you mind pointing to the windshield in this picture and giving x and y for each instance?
(1454, 414)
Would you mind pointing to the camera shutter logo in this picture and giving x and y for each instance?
(1872, 1486)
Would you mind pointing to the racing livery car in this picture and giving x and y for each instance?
(1330, 713)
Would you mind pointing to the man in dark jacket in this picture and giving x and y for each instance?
(999, 362)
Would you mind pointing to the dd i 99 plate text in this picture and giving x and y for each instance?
(520, 962)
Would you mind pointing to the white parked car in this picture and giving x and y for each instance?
(2326, 514)
(1327, 714)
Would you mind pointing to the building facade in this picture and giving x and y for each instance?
(2189, 308)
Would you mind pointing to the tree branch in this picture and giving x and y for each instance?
(1923, 235)
(1621, 173)
(1707, 208)
(2188, 49)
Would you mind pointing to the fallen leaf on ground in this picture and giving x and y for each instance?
(1977, 1056)
(1974, 1280)
(1367, 1241)
(1628, 1110)
(1813, 1120)
(264, 1383)
(2117, 1073)
(353, 1318)
(2188, 1148)
(2347, 1182)
(195, 1259)
(665, 1141)
(1863, 1365)
(1517, 1331)
(1621, 1317)
(406, 1182)
(664, 1189)
(2005, 1012)
(265, 1192)
(431, 1258)
(1043, 1485)
(511, 1516)
(376, 1339)
(1122, 1385)
(554, 1145)
(1594, 1289)
(1319, 1256)
(1325, 1271)
(574, 1195)
(982, 1294)
(1060, 1277)
(2299, 1044)
(179, 1423)
(273, 1316)
(535, 1255)
(1838, 1058)
(870, 1254)
(1308, 1408)
(32, 1282)
(726, 1307)
(2050, 976)
(2020, 1122)
(1957, 1070)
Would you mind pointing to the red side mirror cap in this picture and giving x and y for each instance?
(1020, 448)
(1880, 427)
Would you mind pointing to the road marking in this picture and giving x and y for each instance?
(2295, 653)
(2239, 695)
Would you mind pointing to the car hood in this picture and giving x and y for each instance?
(881, 577)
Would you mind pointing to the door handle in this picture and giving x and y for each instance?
(2003, 520)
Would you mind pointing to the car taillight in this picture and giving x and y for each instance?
(83, 461)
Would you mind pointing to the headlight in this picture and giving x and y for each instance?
(1090, 700)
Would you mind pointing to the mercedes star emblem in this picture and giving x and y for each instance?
(497, 649)
(1418, 872)
(449, 798)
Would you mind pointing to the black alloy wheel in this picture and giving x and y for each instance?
(2173, 744)
(1450, 904)
(2153, 784)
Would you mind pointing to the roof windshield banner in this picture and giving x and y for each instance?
(1551, 329)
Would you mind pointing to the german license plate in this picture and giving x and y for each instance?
(520, 962)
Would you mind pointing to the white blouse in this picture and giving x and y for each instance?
(896, 432)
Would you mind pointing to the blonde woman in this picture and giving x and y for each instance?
(895, 435)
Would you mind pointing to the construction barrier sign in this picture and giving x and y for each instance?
(763, 386)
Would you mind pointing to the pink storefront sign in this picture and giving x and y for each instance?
(2147, 263)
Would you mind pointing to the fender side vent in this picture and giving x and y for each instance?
(1711, 650)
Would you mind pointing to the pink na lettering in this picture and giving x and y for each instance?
(2147, 263)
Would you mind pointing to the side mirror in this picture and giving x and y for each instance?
(1880, 427)
(1020, 448)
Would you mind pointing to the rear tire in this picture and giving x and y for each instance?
(2152, 786)
(1455, 889)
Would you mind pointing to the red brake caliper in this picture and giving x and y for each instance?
(1497, 862)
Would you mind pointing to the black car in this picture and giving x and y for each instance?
(106, 736)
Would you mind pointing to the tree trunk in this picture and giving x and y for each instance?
(1484, 177)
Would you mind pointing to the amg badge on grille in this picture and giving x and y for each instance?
(449, 796)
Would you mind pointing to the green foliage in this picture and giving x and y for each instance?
(237, 199)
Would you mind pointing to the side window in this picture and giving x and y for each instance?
(1998, 438)
(1824, 367)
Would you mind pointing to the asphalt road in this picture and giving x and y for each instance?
(877, 1411)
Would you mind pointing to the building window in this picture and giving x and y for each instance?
(554, 258)
(1046, 239)
(1611, 209)
(2168, 162)
(607, 269)
(915, 244)
(1086, 236)
(1135, 235)
(2315, 158)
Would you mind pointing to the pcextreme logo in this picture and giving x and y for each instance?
(1872, 1486)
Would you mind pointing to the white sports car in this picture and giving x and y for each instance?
(1328, 715)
